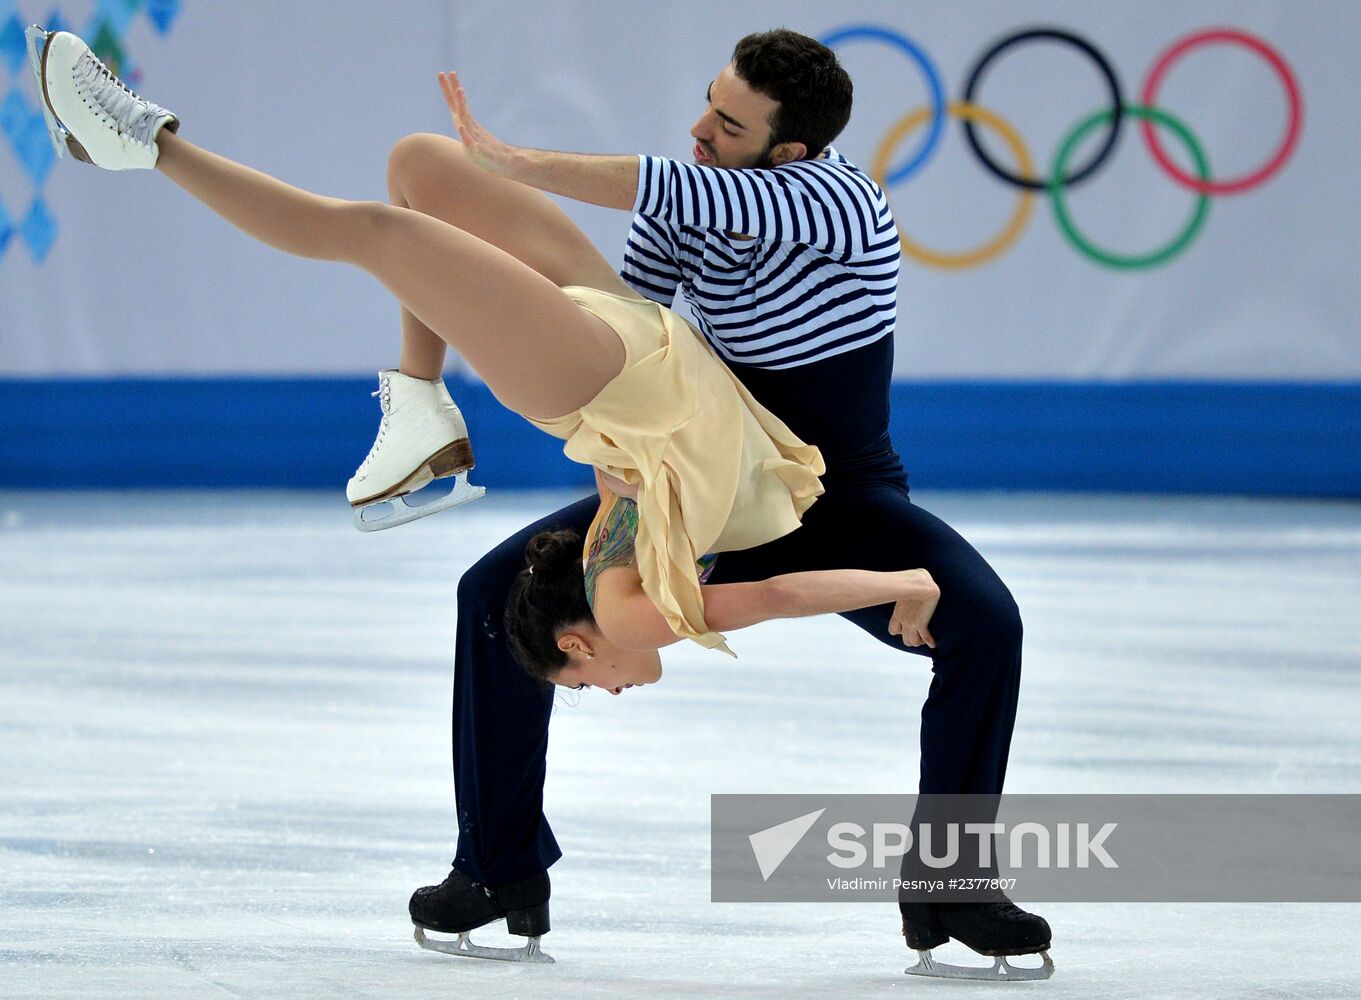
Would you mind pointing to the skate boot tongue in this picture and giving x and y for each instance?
(135, 118)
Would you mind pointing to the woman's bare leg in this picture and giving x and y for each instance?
(431, 174)
(539, 352)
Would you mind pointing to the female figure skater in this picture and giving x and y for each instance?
(688, 463)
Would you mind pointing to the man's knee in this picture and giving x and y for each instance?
(996, 612)
(471, 585)
(987, 620)
(415, 158)
(487, 581)
(1006, 620)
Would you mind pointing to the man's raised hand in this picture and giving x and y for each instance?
(485, 150)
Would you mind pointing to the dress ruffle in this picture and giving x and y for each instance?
(715, 470)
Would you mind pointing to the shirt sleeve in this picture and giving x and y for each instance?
(817, 203)
(650, 266)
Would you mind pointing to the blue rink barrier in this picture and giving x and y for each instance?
(1300, 439)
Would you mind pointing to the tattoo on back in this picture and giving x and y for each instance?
(612, 536)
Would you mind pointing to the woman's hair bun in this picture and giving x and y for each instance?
(547, 596)
(552, 551)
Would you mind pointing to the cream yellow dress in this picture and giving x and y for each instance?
(715, 470)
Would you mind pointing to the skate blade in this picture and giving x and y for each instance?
(1002, 971)
(37, 46)
(393, 511)
(464, 946)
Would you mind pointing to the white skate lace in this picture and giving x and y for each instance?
(131, 115)
(384, 394)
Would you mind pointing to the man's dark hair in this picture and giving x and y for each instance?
(804, 76)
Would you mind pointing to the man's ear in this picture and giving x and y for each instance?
(788, 152)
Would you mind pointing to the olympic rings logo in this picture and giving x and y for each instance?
(1061, 175)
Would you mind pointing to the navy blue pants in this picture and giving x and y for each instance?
(864, 521)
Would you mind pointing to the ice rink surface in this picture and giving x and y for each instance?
(224, 751)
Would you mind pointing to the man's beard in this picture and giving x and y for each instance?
(763, 158)
(760, 161)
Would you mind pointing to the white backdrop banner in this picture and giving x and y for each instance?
(1149, 273)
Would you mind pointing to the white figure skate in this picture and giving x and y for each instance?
(89, 110)
(422, 437)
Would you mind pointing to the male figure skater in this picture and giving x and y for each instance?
(788, 255)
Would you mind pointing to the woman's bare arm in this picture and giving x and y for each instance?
(798, 595)
(628, 617)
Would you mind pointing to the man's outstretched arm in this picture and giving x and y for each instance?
(610, 181)
(831, 210)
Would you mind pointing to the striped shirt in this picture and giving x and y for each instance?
(817, 277)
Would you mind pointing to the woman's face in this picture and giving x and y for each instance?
(596, 662)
